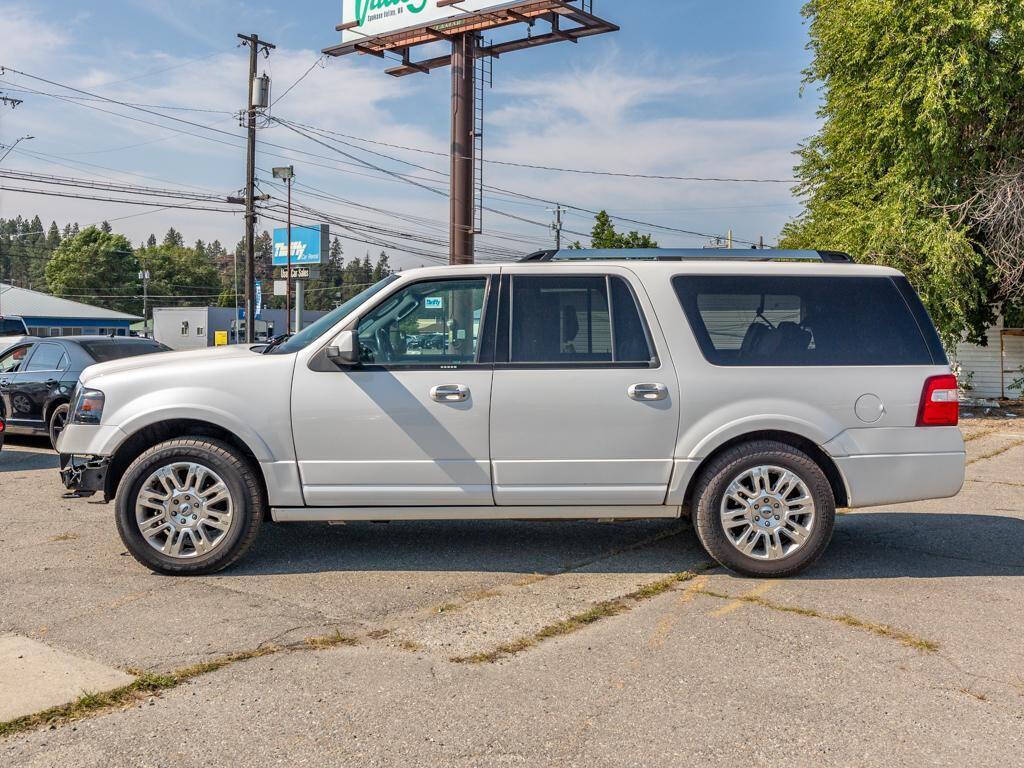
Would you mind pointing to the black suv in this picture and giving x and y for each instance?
(38, 377)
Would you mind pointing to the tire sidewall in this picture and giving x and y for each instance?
(66, 409)
(142, 468)
(708, 521)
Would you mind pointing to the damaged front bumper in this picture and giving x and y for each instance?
(83, 476)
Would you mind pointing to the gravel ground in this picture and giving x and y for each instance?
(901, 647)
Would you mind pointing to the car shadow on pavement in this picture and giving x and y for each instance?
(664, 546)
(865, 546)
(922, 545)
(14, 460)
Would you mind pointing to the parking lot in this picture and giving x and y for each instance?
(570, 644)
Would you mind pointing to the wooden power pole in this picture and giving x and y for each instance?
(255, 46)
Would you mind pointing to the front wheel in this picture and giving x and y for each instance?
(764, 509)
(189, 506)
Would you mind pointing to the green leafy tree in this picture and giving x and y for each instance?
(604, 235)
(923, 105)
(177, 271)
(382, 268)
(97, 267)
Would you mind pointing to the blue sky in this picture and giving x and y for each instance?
(685, 88)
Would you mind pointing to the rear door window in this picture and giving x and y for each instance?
(47, 357)
(805, 321)
(576, 321)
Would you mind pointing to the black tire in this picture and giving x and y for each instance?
(710, 490)
(57, 422)
(243, 486)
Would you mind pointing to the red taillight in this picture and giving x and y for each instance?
(1, 425)
(940, 403)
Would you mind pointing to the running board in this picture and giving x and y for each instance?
(351, 514)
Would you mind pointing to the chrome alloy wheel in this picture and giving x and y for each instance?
(184, 510)
(767, 512)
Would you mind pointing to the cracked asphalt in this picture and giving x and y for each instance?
(902, 646)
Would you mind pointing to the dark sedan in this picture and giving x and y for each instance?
(38, 377)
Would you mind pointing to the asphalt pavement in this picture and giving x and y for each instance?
(562, 644)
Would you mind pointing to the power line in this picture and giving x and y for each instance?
(590, 172)
(302, 77)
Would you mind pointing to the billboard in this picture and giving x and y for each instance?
(309, 245)
(384, 17)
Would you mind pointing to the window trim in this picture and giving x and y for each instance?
(488, 279)
(508, 311)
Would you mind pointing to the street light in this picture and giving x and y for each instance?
(287, 173)
(16, 143)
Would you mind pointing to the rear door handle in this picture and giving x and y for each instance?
(450, 393)
(648, 392)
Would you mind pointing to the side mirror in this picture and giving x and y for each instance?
(343, 350)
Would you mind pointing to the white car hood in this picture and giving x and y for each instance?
(164, 359)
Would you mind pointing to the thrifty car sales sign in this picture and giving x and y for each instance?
(382, 17)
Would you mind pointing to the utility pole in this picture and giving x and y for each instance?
(463, 103)
(255, 46)
(557, 225)
(144, 277)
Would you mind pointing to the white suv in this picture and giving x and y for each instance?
(754, 391)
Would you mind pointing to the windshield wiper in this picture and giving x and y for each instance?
(277, 341)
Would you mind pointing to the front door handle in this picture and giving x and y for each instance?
(646, 393)
(450, 393)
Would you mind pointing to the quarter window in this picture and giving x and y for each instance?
(570, 320)
(803, 321)
(431, 323)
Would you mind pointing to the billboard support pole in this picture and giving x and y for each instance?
(300, 303)
(464, 52)
(288, 288)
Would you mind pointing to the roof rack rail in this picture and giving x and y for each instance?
(687, 254)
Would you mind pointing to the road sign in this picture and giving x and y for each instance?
(309, 245)
(220, 338)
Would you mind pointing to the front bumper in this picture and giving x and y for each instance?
(83, 475)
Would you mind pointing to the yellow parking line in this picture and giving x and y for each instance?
(735, 605)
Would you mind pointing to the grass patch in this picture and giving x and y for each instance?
(149, 684)
(995, 452)
(410, 645)
(66, 537)
(576, 622)
(882, 630)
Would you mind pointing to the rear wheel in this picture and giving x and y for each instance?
(189, 506)
(764, 509)
(58, 420)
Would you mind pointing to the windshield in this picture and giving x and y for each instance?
(313, 332)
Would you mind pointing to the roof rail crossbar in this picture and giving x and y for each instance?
(687, 254)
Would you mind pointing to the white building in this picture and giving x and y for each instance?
(993, 368)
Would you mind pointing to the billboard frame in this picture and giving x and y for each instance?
(476, 22)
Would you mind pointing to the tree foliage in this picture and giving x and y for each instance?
(96, 267)
(922, 100)
(604, 235)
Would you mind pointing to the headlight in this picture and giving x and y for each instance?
(88, 407)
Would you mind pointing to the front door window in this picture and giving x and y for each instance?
(437, 322)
